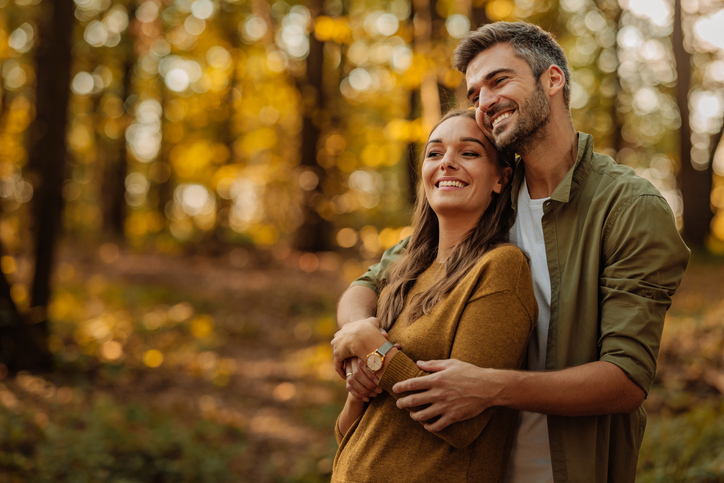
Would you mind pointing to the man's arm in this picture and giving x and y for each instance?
(358, 302)
(457, 391)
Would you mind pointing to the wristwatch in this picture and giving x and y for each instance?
(376, 358)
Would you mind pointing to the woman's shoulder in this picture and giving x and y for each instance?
(503, 255)
(502, 268)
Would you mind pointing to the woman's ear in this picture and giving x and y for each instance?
(504, 180)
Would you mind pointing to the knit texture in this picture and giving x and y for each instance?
(487, 321)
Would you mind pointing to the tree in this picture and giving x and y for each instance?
(315, 232)
(695, 184)
(47, 158)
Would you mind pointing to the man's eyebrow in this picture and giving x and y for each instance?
(490, 75)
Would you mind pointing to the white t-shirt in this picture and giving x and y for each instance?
(530, 460)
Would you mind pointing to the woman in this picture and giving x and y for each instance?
(460, 291)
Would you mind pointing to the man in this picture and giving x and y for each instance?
(605, 257)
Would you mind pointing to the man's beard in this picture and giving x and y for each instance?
(531, 127)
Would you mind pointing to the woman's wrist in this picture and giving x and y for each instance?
(369, 343)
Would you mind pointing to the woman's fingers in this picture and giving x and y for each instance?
(362, 380)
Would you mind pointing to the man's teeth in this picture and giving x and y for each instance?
(456, 184)
(498, 120)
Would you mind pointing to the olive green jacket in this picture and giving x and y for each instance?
(615, 258)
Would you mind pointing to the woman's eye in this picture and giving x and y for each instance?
(470, 153)
(433, 154)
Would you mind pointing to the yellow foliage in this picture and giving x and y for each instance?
(153, 358)
(80, 138)
(20, 115)
(372, 155)
(499, 9)
(63, 306)
(259, 140)
(202, 326)
(265, 234)
(11, 149)
(136, 225)
(191, 159)
(326, 28)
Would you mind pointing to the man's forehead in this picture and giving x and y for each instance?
(500, 56)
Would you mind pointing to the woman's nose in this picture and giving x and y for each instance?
(448, 162)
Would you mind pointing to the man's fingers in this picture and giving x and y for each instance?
(413, 384)
(339, 367)
(432, 366)
(427, 413)
(439, 425)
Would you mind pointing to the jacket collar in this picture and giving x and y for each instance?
(571, 181)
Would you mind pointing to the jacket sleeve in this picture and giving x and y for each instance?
(493, 331)
(375, 275)
(644, 261)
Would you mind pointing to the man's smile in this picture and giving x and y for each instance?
(501, 118)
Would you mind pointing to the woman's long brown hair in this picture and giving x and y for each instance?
(492, 230)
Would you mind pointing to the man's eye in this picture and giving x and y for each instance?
(470, 153)
(499, 80)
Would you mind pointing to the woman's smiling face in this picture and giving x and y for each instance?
(459, 170)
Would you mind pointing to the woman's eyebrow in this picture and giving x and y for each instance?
(473, 140)
(433, 141)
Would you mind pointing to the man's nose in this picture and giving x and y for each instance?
(486, 100)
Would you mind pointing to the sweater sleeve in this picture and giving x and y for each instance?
(493, 332)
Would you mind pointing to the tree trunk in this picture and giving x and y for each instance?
(695, 184)
(116, 166)
(315, 232)
(46, 159)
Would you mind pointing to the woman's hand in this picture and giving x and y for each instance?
(356, 339)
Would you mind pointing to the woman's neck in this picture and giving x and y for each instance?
(451, 232)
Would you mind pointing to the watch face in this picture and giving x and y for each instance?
(374, 362)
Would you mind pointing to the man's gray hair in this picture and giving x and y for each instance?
(529, 42)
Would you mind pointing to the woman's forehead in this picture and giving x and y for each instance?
(458, 125)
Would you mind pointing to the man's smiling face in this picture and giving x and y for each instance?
(511, 106)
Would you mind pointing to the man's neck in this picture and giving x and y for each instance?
(547, 163)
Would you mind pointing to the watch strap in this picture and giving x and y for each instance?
(385, 348)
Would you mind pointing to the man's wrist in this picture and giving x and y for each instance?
(506, 382)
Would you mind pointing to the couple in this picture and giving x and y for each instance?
(605, 259)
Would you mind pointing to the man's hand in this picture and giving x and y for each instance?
(345, 343)
(456, 391)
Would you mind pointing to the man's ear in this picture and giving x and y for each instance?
(553, 80)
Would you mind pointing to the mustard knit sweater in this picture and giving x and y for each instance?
(487, 321)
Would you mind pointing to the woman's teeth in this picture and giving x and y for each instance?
(456, 184)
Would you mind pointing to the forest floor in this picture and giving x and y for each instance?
(200, 369)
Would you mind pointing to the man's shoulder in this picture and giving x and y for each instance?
(618, 179)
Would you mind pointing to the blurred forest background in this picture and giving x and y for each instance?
(187, 186)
